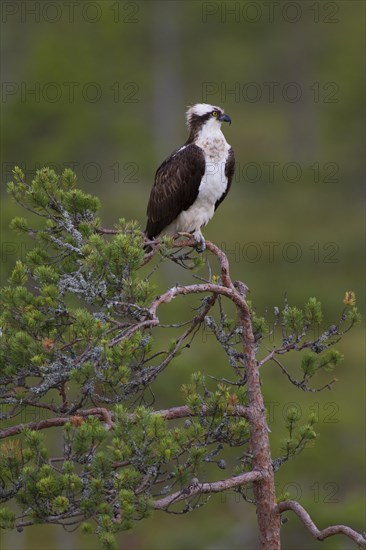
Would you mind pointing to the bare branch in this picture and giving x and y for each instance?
(104, 414)
(324, 533)
(268, 518)
(194, 325)
(196, 289)
(60, 519)
(204, 488)
(184, 411)
(129, 332)
(223, 261)
(106, 231)
(302, 383)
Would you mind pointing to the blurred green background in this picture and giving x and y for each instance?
(103, 86)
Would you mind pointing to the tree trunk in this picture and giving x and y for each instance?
(269, 520)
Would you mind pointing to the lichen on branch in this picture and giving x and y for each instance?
(82, 343)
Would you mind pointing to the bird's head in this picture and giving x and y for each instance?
(205, 115)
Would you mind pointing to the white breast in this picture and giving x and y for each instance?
(213, 185)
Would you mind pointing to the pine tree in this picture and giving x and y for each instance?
(78, 323)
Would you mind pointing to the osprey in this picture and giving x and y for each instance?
(191, 183)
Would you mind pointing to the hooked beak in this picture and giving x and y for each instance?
(224, 118)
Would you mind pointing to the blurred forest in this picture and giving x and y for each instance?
(102, 87)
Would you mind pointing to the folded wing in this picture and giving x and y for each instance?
(175, 188)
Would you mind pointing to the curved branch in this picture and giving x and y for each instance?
(301, 384)
(204, 488)
(324, 533)
(51, 519)
(221, 256)
(104, 414)
(172, 293)
(129, 332)
(263, 487)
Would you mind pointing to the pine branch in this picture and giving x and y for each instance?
(102, 413)
(318, 534)
(197, 488)
(106, 416)
(301, 383)
(101, 352)
(264, 489)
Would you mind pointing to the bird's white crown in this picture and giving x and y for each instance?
(201, 109)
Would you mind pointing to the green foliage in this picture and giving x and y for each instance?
(354, 316)
(104, 470)
(313, 311)
(45, 317)
(299, 437)
(220, 404)
(87, 528)
(293, 319)
(297, 321)
(76, 335)
(88, 434)
(7, 518)
(311, 362)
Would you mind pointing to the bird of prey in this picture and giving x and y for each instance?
(192, 182)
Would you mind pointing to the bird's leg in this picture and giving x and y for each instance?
(200, 240)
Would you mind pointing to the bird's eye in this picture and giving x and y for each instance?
(215, 113)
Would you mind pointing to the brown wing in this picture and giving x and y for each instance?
(175, 187)
(229, 173)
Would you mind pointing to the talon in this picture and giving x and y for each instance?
(200, 240)
(201, 246)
